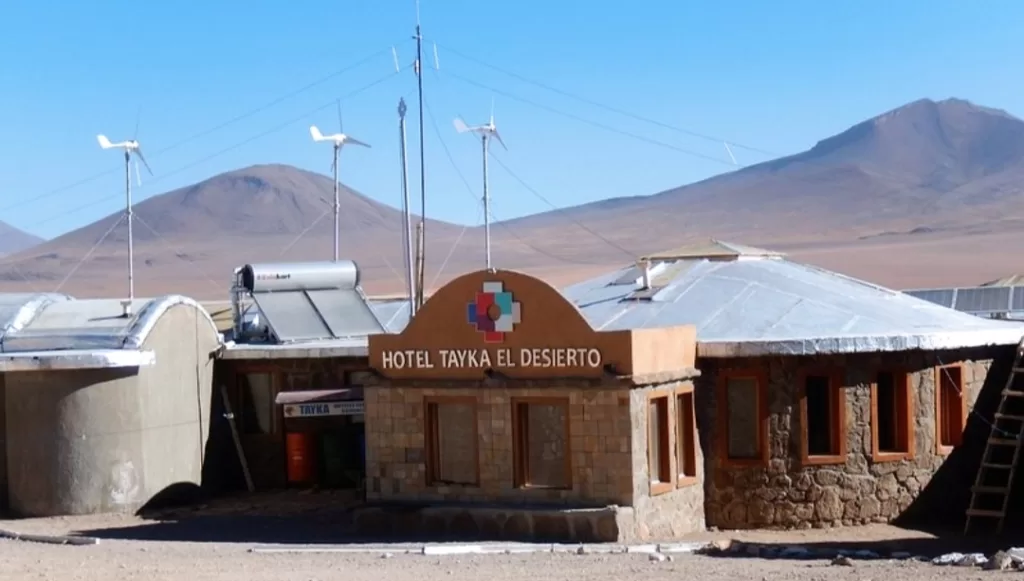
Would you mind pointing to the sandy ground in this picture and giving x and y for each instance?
(214, 543)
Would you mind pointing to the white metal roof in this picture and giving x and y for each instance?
(51, 331)
(768, 305)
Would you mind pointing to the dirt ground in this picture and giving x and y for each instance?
(214, 542)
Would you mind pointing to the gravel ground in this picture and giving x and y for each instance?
(215, 544)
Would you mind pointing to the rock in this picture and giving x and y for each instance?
(581, 550)
(387, 555)
(972, 560)
(1001, 561)
(842, 561)
(829, 507)
(947, 559)
(657, 557)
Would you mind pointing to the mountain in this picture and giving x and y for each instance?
(925, 166)
(13, 240)
(911, 197)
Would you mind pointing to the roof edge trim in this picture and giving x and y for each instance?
(147, 318)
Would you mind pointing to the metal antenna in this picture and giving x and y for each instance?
(486, 132)
(406, 212)
(130, 147)
(423, 172)
(338, 140)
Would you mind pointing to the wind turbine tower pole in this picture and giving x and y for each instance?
(423, 172)
(406, 213)
(487, 205)
(337, 201)
(128, 215)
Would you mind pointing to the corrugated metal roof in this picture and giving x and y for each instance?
(88, 324)
(762, 306)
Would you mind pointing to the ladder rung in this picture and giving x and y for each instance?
(1003, 442)
(980, 512)
(999, 466)
(1018, 369)
(1012, 393)
(990, 489)
(1001, 416)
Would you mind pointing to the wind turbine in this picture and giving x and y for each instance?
(486, 132)
(339, 140)
(131, 148)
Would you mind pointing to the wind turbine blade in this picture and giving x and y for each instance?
(394, 54)
(729, 151)
(341, 123)
(437, 63)
(492, 111)
(104, 142)
(500, 140)
(138, 176)
(138, 118)
(138, 152)
(461, 126)
(317, 136)
(354, 141)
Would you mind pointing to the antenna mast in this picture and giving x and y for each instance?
(129, 216)
(423, 172)
(487, 206)
(337, 201)
(406, 213)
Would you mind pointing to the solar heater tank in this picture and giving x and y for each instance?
(300, 276)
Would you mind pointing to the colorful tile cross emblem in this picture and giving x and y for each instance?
(494, 313)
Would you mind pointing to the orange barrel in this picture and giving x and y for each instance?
(299, 449)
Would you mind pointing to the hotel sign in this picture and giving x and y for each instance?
(503, 321)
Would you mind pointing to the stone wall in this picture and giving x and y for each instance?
(599, 428)
(670, 514)
(786, 494)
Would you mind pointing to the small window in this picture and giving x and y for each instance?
(659, 455)
(257, 409)
(890, 416)
(686, 440)
(451, 430)
(949, 403)
(743, 415)
(823, 410)
(541, 443)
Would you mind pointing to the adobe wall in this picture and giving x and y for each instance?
(599, 429)
(787, 495)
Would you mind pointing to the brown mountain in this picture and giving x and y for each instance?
(12, 239)
(924, 167)
(912, 197)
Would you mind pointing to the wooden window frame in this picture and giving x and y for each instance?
(521, 467)
(430, 433)
(838, 412)
(940, 371)
(905, 393)
(683, 480)
(664, 463)
(722, 432)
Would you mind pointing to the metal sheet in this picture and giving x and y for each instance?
(354, 347)
(298, 276)
(939, 296)
(75, 359)
(291, 397)
(346, 312)
(983, 299)
(1017, 303)
(291, 316)
(392, 314)
(764, 306)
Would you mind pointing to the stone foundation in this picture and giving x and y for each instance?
(593, 525)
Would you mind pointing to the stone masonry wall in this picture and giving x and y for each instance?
(785, 494)
(673, 513)
(599, 431)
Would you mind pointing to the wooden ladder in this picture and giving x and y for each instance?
(990, 494)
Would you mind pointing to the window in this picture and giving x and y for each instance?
(891, 425)
(540, 431)
(742, 417)
(659, 454)
(686, 439)
(256, 403)
(451, 438)
(823, 415)
(949, 407)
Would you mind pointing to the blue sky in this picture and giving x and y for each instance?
(775, 76)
